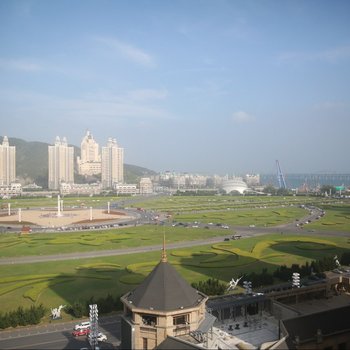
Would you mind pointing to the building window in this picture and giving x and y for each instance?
(181, 319)
(149, 320)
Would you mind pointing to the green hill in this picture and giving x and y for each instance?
(32, 163)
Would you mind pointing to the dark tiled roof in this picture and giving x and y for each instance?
(329, 322)
(164, 290)
(172, 343)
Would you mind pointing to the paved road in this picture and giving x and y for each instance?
(59, 336)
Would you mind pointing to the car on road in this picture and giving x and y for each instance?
(79, 332)
(101, 337)
(82, 325)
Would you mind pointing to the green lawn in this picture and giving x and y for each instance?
(55, 283)
(69, 242)
(257, 217)
(175, 204)
(337, 218)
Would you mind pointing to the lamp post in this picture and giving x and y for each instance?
(94, 327)
(296, 279)
(247, 285)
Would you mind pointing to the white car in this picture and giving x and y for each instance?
(82, 325)
(101, 337)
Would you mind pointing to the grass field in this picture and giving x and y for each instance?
(245, 217)
(55, 283)
(69, 242)
(175, 204)
(337, 218)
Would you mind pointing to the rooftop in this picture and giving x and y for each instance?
(164, 290)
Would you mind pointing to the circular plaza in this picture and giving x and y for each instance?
(53, 218)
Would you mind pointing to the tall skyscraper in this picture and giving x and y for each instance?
(7, 162)
(61, 163)
(89, 163)
(112, 164)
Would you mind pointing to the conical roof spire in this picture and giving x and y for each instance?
(164, 257)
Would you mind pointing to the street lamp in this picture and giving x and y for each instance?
(94, 327)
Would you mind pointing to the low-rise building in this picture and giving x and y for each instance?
(80, 189)
(12, 190)
(129, 189)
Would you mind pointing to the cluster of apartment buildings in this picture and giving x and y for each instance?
(109, 163)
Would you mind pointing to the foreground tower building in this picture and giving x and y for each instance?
(163, 305)
(61, 164)
(90, 161)
(7, 162)
(112, 164)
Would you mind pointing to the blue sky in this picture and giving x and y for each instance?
(199, 86)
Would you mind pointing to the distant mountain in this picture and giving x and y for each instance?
(32, 163)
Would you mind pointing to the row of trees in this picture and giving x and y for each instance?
(22, 317)
(284, 273)
(105, 305)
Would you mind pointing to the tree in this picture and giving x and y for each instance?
(270, 190)
(77, 309)
(327, 190)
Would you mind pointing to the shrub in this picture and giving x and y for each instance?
(22, 317)
(211, 286)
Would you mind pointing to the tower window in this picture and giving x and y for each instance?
(181, 319)
(149, 320)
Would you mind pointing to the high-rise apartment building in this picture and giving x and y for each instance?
(89, 163)
(61, 163)
(7, 162)
(112, 164)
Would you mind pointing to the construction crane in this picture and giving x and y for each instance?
(280, 176)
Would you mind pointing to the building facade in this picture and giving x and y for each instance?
(89, 163)
(112, 164)
(7, 162)
(146, 186)
(12, 190)
(163, 305)
(61, 164)
(80, 189)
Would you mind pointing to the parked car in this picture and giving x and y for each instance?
(81, 331)
(82, 325)
(101, 337)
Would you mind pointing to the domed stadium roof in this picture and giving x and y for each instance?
(235, 184)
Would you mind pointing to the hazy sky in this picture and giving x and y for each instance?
(198, 86)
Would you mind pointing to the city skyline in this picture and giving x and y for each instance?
(200, 86)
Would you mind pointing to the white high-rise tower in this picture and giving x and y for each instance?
(112, 164)
(7, 162)
(89, 163)
(61, 163)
